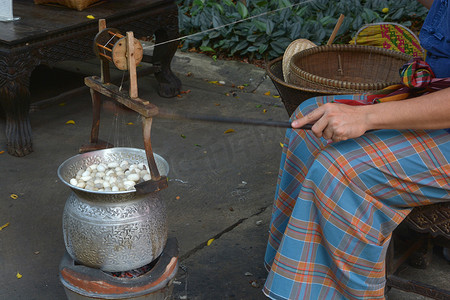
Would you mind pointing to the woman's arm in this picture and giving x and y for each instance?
(426, 3)
(340, 122)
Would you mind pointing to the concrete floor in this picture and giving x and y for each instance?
(221, 185)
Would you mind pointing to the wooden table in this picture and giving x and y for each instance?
(47, 34)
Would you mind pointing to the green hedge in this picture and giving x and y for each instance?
(268, 35)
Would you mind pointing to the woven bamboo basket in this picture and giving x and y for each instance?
(74, 4)
(292, 95)
(346, 68)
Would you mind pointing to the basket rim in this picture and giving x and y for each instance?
(341, 84)
(293, 86)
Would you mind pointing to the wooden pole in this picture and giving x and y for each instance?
(104, 64)
(131, 65)
(336, 29)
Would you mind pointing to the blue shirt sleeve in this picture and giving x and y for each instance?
(435, 38)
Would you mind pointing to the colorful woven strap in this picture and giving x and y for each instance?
(416, 78)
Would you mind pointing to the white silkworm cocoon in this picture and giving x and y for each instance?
(113, 176)
(133, 177)
(81, 184)
(113, 165)
(128, 184)
(86, 178)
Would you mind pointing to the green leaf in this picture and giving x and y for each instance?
(259, 25)
(263, 48)
(206, 49)
(218, 7)
(242, 9)
(241, 45)
(398, 14)
(252, 49)
(269, 27)
(228, 2)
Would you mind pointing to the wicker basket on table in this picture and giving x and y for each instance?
(335, 70)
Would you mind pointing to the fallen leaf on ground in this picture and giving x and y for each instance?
(267, 93)
(217, 104)
(276, 96)
(209, 242)
(14, 196)
(197, 145)
(264, 111)
(62, 104)
(70, 122)
(179, 96)
(177, 197)
(258, 106)
(18, 275)
(91, 17)
(4, 226)
(281, 144)
(183, 136)
(229, 130)
(1, 152)
(241, 87)
(130, 123)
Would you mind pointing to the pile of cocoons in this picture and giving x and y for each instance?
(111, 177)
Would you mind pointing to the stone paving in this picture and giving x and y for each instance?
(221, 185)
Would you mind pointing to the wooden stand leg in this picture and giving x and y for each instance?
(157, 181)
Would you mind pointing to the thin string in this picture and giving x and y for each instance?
(104, 52)
(121, 83)
(232, 23)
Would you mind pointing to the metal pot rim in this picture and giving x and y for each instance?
(162, 164)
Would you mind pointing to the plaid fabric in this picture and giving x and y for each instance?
(337, 204)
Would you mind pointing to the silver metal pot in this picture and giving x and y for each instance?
(113, 231)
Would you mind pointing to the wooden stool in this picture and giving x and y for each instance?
(432, 225)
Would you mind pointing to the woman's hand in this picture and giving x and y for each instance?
(335, 121)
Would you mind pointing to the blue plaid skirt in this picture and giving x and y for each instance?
(337, 204)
